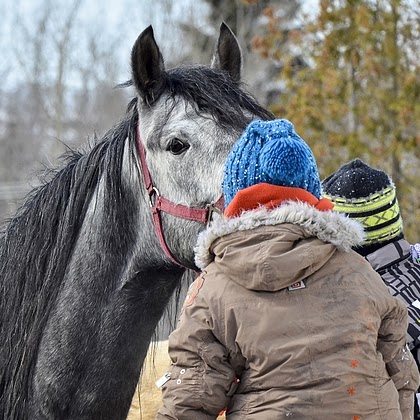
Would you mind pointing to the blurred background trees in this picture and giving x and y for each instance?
(57, 89)
(344, 71)
(350, 83)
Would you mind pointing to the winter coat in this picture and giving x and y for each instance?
(287, 322)
(401, 273)
(395, 264)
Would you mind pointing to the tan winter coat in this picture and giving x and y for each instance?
(304, 323)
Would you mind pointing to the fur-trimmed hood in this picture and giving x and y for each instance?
(294, 239)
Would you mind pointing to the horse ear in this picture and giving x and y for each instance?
(147, 67)
(228, 54)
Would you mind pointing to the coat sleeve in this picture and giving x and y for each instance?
(400, 363)
(201, 378)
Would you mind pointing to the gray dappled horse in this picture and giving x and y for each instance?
(91, 259)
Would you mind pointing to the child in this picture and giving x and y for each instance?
(368, 195)
(285, 321)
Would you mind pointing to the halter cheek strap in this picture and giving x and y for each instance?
(159, 203)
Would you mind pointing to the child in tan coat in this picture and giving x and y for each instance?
(286, 321)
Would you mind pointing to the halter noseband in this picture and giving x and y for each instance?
(159, 203)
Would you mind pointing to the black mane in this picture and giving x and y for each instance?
(36, 245)
(214, 92)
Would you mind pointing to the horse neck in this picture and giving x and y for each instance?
(107, 303)
(98, 334)
(115, 290)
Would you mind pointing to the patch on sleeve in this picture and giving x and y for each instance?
(193, 291)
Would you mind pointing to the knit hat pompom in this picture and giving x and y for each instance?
(270, 152)
(288, 163)
(368, 195)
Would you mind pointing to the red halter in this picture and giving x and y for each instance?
(159, 203)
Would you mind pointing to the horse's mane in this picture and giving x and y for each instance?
(37, 243)
(214, 92)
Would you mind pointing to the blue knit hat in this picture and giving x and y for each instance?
(270, 152)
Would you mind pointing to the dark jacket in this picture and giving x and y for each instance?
(400, 270)
(395, 264)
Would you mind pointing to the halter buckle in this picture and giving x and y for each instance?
(212, 208)
(153, 196)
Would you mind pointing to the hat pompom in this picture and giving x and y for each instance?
(289, 162)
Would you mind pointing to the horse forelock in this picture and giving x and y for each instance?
(213, 92)
(35, 248)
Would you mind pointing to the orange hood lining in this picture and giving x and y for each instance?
(271, 196)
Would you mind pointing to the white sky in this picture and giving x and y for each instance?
(122, 19)
(112, 19)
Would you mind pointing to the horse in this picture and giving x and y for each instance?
(92, 257)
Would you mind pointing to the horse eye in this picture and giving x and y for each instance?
(176, 146)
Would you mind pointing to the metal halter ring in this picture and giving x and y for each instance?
(153, 194)
(212, 208)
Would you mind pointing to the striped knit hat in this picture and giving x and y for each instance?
(367, 195)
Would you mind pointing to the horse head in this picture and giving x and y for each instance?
(189, 118)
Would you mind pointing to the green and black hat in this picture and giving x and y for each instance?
(368, 195)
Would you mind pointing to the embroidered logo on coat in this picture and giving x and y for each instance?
(298, 285)
(193, 291)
